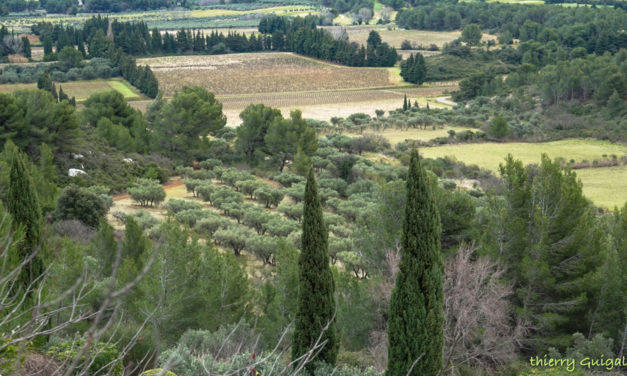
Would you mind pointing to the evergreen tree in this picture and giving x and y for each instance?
(416, 318)
(44, 82)
(26, 50)
(405, 103)
(23, 204)
(47, 45)
(316, 303)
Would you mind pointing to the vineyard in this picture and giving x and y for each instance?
(260, 73)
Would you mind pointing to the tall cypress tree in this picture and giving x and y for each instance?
(416, 319)
(23, 204)
(405, 103)
(316, 303)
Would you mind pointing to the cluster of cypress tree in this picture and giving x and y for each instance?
(414, 69)
(45, 83)
(300, 35)
(278, 33)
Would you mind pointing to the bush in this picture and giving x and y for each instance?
(102, 356)
(176, 205)
(210, 164)
(80, 204)
(269, 196)
(191, 216)
(211, 224)
(287, 179)
(147, 192)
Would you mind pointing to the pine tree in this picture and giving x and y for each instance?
(316, 303)
(416, 318)
(23, 204)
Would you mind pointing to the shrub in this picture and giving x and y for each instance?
(191, 216)
(233, 237)
(269, 196)
(210, 164)
(294, 212)
(205, 190)
(211, 224)
(287, 179)
(176, 205)
(147, 192)
(80, 204)
(263, 247)
(102, 356)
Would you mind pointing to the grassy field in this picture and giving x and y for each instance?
(81, 90)
(489, 155)
(604, 186)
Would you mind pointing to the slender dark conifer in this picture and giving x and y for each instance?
(416, 318)
(316, 302)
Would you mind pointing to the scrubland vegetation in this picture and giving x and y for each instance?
(469, 216)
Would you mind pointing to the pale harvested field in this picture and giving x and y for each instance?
(251, 73)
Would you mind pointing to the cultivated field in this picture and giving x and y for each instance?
(81, 90)
(287, 81)
(604, 186)
(260, 73)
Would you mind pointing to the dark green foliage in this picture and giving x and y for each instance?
(549, 223)
(416, 319)
(414, 70)
(471, 34)
(80, 204)
(498, 128)
(69, 58)
(186, 120)
(316, 302)
(285, 136)
(26, 49)
(256, 119)
(23, 205)
(34, 117)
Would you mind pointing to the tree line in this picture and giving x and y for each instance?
(99, 46)
(298, 35)
(93, 6)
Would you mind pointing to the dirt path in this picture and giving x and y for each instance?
(174, 182)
